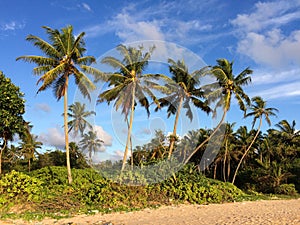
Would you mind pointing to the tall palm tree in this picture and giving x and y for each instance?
(79, 114)
(91, 143)
(128, 85)
(221, 92)
(184, 89)
(63, 57)
(259, 110)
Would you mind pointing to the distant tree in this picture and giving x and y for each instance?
(91, 143)
(64, 57)
(29, 145)
(12, 109)
(78, 114)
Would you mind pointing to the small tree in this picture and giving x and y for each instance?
(12, 109)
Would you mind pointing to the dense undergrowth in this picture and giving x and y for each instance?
(45, 192)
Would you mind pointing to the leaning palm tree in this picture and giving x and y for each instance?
(221, 92)
(184, 89)
(78, 114)
(91, 143)
(63, 57)
(259, 110)
(128, 85)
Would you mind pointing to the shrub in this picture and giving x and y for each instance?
(286, 189)
(17, 185)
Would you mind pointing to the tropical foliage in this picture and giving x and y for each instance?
(254, 158)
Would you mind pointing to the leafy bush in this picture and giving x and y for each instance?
(286, 189)
(17, 185)
(189, 185)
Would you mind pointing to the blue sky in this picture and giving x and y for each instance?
(264, 35)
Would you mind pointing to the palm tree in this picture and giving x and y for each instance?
(259, 111)
(128, 85)
(183, 91)
(91, 143)
(79, 114)
(288, 130)
(64, 56)
(229, 138)
(29, 146)
(227, 85)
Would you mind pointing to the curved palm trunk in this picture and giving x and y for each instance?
(247, 150)
(66, 130)
(207, 139)
(172, 143)
(1, 152)
(129, 129)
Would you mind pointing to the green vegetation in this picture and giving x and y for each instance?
(251, 164)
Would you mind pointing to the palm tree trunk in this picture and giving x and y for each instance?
(224, 162)
(129, 128)
(172, 143)
(248, 149)
(66, 130)
(29, 165)
(131, 150)
(210, 136)
(1, 152)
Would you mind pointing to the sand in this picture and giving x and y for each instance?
(275, 212)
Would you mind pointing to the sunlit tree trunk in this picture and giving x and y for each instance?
(129, 128)
(66, 130)
(172, 143)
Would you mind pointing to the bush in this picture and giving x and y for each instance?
(286, 189)
(17, 185)
(189, 185)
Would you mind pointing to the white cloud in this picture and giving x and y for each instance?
(103, 135)
(117, 155)
(279, 91)
(266, 14)
(137, 22)
(261, 37)
(43, 107)
(272, 48)
(12, 25)
(86, 7)
(272, 77)
(53, 137)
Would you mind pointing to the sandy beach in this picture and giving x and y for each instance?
(275, 212)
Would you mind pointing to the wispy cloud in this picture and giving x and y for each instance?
(12, 26)
(279, 91)
(163, 21)
(86, 7)
(43, 107)
(273, 77)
